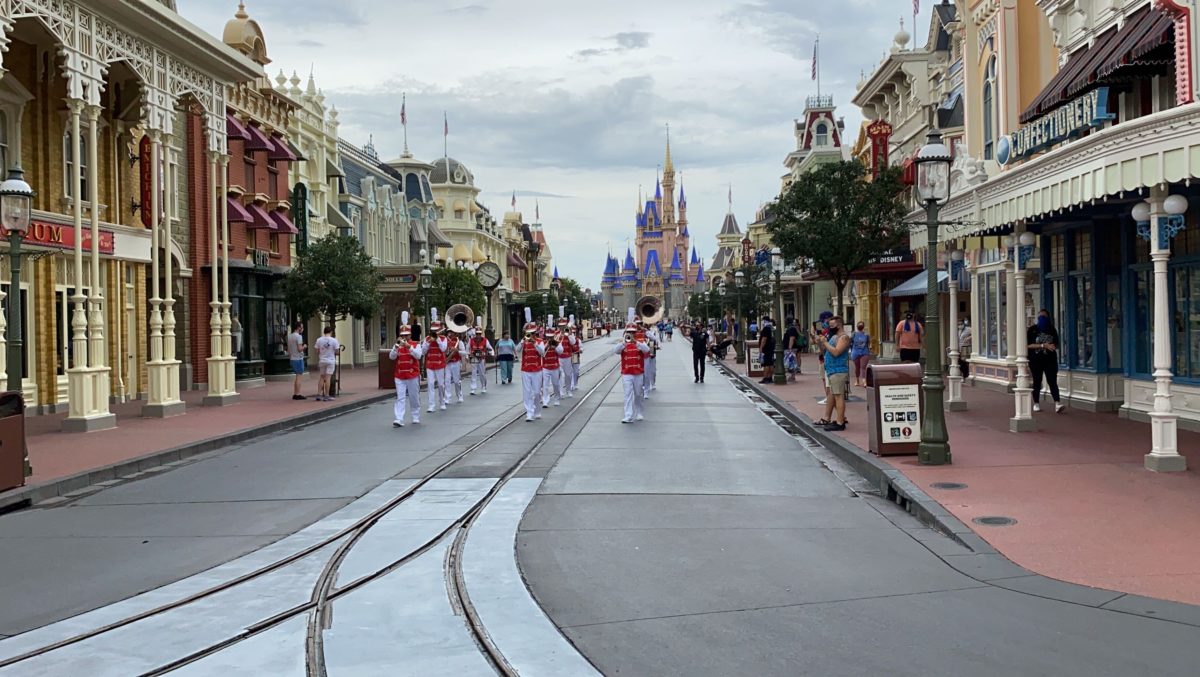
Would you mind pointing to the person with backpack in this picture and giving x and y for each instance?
(910, 335)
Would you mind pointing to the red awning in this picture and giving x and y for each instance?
(234, 128)
(283, 224)
(516, 262)
(1144, 31)
(238, 213)
(282, 151)
(258, 139)
(259, 218)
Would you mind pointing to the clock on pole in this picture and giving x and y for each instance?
(489, 274)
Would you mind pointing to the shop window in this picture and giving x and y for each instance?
(249, 176)
(459, 214)
(1187, 321)
(75, 162)
(174, 187)
(274, 243)
(27, 324)
(1112, 316)
(1144, 321)
(1084, 334)
(990, 108)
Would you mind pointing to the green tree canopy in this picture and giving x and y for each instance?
(335, 278)
(451, 286)
(583, 305)
(837, 222)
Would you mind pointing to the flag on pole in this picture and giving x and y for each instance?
(404, 110)
(537, 211)
(446, 124)
(916, 9)
(816, 53)
(514, 201)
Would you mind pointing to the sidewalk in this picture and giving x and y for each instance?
(1087, 511)
(65, 462)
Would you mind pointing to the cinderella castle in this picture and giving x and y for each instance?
(665, 264)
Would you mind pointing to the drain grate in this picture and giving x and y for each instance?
(948, 485)
(995, 521)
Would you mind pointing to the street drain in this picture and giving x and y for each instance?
(948, 485)
(995, 521)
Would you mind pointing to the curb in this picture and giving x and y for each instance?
(21, 497)
(983, 563)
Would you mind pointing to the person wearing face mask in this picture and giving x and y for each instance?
(860, 354)
(837, 369)
(1043, 359)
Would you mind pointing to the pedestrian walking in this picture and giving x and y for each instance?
(568, 354)
(860, 354)
(506, 352)
(531, 350)
(766, 348)
(650, 378)
(910, 336)
(328, 349)
(633, 368)
(406, 354)
(964, 348)
(791, 348)
(575, 343)
(1043, 359)
(296, 347)
(701, 345)
(837, 370)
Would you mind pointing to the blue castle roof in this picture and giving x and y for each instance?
(700, 273)
(682, 197)
(676, 268)
(555, 272)
(651, 209)
(652, 264)
(695, 257)
(629, 264)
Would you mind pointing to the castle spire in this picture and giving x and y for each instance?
(668, 166)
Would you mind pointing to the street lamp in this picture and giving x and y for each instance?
(739, 281)
(933, 188)
(956, 401)
(16, 198)
(777, 267)
(1021, 250)
(425, 282)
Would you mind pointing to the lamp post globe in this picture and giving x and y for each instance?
(16, 202)
(933, 188)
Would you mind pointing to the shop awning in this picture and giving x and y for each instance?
(332, 169)
(283, 151)
(237, 213)
(257, 139)
(1144, 31)
(437, 238)
(337, 219)
(283, 223)
(516, 261)
(234, 129)
(259, 218)
(918, 285)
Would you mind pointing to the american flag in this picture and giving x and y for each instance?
(816, 52)
(403, 111)
(916, 10)
(445, 125)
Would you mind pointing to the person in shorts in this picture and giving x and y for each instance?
(836, 348)
(328, 349)
(296, 347)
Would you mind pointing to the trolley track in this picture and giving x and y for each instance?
(324, 592)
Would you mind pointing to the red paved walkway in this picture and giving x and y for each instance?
(56, 454)
(1087, 512)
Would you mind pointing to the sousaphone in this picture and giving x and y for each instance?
(650, 310)
(460, 318)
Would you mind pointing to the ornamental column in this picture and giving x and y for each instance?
(159, 403)
(1164, 450)
(219, 390)
(228, 359)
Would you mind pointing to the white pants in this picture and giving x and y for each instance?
(437, 387)
(574, 375)
(454, 380)
(479, 375)
(633, 395)
(650, 376)
(564, 377)
(531, 392)
(551, 386)
(408, 396)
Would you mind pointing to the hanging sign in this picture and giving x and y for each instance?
(880, 134)
(1064, 122)
(145, 178)
(900, 414)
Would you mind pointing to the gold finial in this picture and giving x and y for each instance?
(670, 166)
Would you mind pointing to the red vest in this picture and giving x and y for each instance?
(406, 365)
(550, 361)
(435, 359)
(632, 361)
(452, 353)
(568, 349)
(531, 362)
(479, 345)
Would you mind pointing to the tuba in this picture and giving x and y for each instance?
(650, 310)
(459, 318)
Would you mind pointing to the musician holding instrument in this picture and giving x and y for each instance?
(407, 373)
(435, 362)
(650, 378)
(633, 367)
(566, 365)
(479, 349)
(531, 350)
(456, 354)
(551, 363)
(575, 345)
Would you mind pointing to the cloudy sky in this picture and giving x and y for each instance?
(566, 102)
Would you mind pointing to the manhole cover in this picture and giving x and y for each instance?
(995, 521)
(948, 485)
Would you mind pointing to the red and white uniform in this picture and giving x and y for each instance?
(531, 351)
(567, 367)
(456, 352)
(551, 375)
(435, 369)
(407, 373)
(650, 379)
(479, 345)
(633, 368)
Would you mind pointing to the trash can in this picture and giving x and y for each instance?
(754, 367)
(895, 409)
(387, 370)
(14, 466)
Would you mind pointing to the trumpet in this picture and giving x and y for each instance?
(628, 337)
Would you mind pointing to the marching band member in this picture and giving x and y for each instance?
(531, 351)
(568, 354)
(479, 348)
(576, 355)
(407, 355)
(551, 362)
(435, 362)
(456, 351)
(651, 376)
(633, 367)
